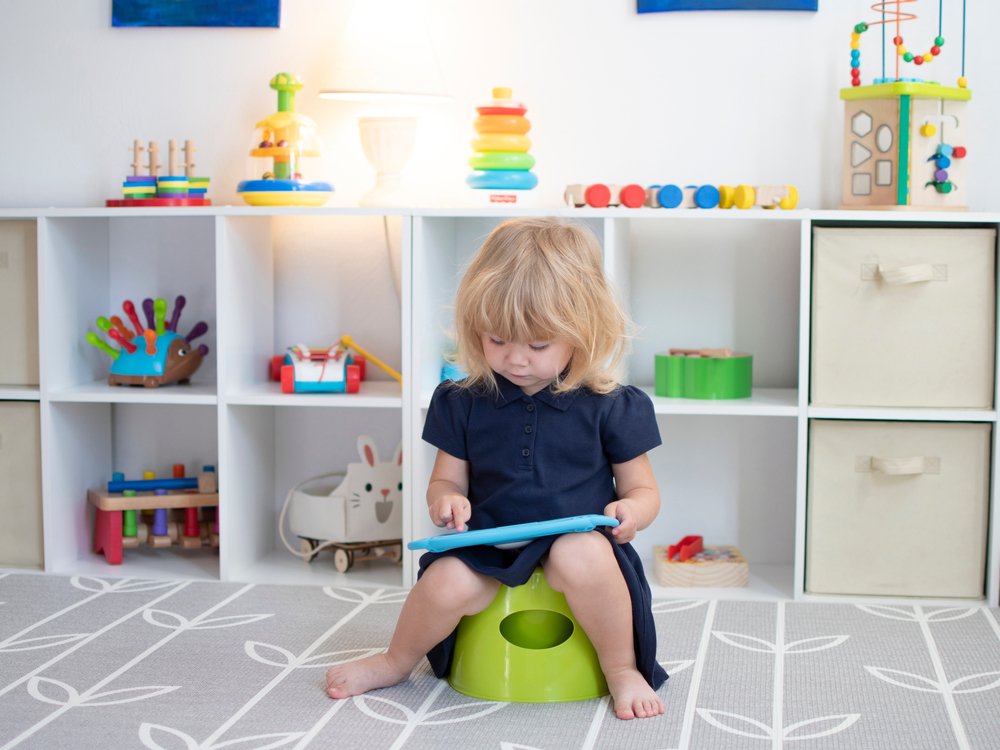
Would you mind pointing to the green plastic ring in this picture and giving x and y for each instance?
(501, 160)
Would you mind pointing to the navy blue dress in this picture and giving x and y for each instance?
(536, 458)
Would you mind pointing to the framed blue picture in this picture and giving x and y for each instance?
(250, 13)
(660, 6)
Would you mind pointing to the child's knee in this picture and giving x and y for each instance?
(451, 581)
(578, 558)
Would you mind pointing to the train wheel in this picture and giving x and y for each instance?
(791, 200)
(745, 196)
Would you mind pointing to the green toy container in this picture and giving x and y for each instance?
(526, 647)
(680, 376)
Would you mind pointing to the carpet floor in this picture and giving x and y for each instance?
(176, 665)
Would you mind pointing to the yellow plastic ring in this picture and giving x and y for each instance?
(501, 142)
(502, 124)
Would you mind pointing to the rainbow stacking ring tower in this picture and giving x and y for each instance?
(501, 160)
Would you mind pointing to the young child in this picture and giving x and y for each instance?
(540, 429)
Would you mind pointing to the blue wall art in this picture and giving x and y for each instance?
(257, 13)
(659, 6)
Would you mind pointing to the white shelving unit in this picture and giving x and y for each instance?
(733, 471)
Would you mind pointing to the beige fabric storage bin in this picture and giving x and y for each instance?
(18, 303)
(20, 485)
(903, 317)
(897, 508)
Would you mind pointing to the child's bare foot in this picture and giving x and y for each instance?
(356, 677)
(633, 697)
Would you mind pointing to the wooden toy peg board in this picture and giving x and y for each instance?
(719, 566)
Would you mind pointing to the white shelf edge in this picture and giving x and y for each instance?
(373, 394)
(98, 391)
(763, 402)
(459, 212)
(157, 564)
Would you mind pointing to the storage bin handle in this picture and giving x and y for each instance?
(900, 466)
(907, 274)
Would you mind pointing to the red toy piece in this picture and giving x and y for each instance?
(687, 548)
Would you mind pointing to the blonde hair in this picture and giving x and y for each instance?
(540, 279)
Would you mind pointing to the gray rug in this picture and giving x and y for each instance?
(118, 663)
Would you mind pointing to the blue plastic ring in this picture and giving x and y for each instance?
(501, 179)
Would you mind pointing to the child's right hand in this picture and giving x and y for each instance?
(451, 511)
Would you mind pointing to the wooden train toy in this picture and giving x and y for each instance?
(158, 512)
(600, 195)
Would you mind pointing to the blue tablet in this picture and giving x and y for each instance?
(520, 532)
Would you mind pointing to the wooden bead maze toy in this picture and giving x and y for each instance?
(154, 189)
(158, 512)
(904, 137)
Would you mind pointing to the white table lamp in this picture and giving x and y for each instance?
(384, 61)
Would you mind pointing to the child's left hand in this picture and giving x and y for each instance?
(628, 524)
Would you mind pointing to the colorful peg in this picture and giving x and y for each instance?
(160, 521)
(129, 309)
(121, 327)
(126, 343)
(200, 328)
(147, 307)
(178, 306)
(94, 340)
(191, 526)
(129, 525)
(160, 314)
(150, 336)
(103, 323)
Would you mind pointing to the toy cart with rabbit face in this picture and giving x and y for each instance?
(358, 512)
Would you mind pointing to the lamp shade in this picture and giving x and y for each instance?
(384, 56)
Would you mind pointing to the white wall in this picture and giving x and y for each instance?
(614, 96)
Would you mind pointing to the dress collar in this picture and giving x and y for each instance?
(511, 394)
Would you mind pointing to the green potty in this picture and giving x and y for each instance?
(526, 647)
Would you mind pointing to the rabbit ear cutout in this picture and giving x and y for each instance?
(398, 458)
(367, 450)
